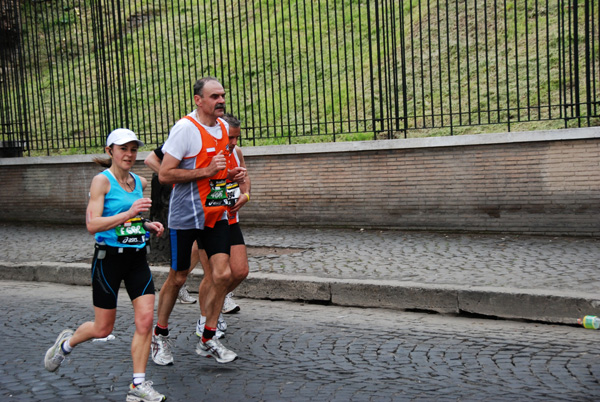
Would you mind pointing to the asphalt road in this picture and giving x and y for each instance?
(299, 352)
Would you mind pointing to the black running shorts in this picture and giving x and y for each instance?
(235, 235)
(212, 240)
(130, 267)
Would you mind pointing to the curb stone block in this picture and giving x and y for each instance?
(395, 297)
(278, 289)
(561, 309)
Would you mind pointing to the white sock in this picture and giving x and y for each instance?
(138, 378)
(66, 346)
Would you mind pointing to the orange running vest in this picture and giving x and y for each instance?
(210, 148)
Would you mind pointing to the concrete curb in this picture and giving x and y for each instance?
(527, 304)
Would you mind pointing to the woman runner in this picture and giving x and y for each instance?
(113, 216)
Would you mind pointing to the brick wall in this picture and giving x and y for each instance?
(50, 189)
(534, 183)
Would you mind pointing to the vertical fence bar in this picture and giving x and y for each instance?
(394, 107)
(431, 94)
(302, 67)
(596, 28)
(421, 65)
(371, 70)
(53, 47)
(235, 73)
(594, 56)
(477, 82)
(48, 128)
(38, 125)
(487, 61)
(23, 124)
(287, 77)
(283, 91)
(548, 75)
(347, 68)
(246, 71)
(516, 45)
(21, 112)
(403, 74)
(449, 65)
(412, 62)
(380, 62)
(274, 71)
(257, 54)
(561, 62)
(527, 78)
(317, 34)
(575, 62)
(66, 79)
(100, 62)
(260, 54)
(130, 23)
(468, 62)
(570, 67)
(154, 47)
(384, 69)
(326, 116)
(29, 43)
(537, 64)
(438, 24)
(49, 140)
(458, 66)
(588, 84)
(180, 11)
(507, 78)
(338, 48)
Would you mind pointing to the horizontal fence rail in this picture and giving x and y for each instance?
(294, 71)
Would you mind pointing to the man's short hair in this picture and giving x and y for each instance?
(231, 120)
(199, 85)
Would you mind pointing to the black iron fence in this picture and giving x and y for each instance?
(295, 71)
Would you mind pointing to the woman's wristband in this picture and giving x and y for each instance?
(247, 195)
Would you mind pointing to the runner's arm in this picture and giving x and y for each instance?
(152, 162)
(244, 185)
(170, 173)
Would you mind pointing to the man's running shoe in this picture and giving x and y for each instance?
(55, 355)
(161, 350)
(184, 296)
(229, 306)
(221, 327)
(145, 393)
(214, 348)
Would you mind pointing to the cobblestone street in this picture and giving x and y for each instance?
(299, 352)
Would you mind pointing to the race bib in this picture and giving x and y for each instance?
(218, 193)
(233, 193)
(131, 232)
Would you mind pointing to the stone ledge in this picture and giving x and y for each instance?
(357, 146)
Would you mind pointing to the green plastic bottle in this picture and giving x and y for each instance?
(589, 321)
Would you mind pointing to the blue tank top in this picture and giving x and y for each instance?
(118, 200)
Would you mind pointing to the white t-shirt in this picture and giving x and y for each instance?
(185, 143)
(184, 139)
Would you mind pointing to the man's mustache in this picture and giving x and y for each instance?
(220, 106)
